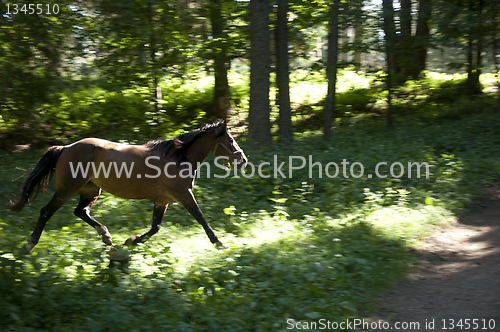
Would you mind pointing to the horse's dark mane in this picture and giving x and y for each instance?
(181, 144)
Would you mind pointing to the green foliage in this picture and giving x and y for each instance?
(449, 92)
(434, 97)
(301, 247)
(352, 101)
(135, 41)
(84, 109)
(95, 112)
(33, 55)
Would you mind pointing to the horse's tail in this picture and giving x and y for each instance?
(38, 178)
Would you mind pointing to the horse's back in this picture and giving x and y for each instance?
(94, 152)
(93, 142)
(98, 149)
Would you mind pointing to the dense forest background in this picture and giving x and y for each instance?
(400, 82)
(147, 69)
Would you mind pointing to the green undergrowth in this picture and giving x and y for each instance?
(89, 110)
(363, 98)
(301, 248)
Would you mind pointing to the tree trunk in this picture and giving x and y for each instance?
(331, 68)
(282, 72)
(474, 62)
(152, 52)
(479, 53)
(344, 45)
(358, 35)
(358, 39)
(422, 35)
(390, 35)
(497, 68)
(259, 125)
(405, 15)
(221, 102)
(473, 69)
(406, 60)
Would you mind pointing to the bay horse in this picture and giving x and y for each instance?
(160, 171)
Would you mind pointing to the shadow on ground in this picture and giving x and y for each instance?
(459, 278)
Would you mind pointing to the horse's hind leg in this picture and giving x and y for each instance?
(158, 212)
(88, 196)
(46, 213)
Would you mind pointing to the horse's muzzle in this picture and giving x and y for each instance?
(241, 162)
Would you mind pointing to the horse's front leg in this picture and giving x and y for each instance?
(158, 212)
(187, 199)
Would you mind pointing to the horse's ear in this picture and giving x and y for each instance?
(178, 143)
(219, 130)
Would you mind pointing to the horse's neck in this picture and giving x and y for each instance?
(200, 149)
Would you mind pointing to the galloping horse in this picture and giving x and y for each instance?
(178, 159)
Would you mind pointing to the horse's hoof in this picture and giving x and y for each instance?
(106, 238)
(28, 247)
(131, 241)
(220, 246)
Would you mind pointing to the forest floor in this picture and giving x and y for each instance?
(458, 279)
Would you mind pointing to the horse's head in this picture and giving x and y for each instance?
(226, 146)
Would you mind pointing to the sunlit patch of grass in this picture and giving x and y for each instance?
(411, 224)
(314, 91)
(489, 82)
(440, 78)
(307, 93)
(188, 250)
(349, 79)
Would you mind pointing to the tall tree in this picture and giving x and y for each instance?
(405, 61)
(495, 45)
(221, 101)
(497, 68)
(282, 73)
(475, 48)
(156, 93)
(468, 25)
(331, 70)
(259, 125)
(409, 50)
(422, 34)
(358, 33)
(390, 36)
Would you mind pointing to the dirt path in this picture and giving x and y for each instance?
(460, 278)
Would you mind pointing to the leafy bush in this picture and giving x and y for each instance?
(96, 112)
(353, 101)
(449, 91)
